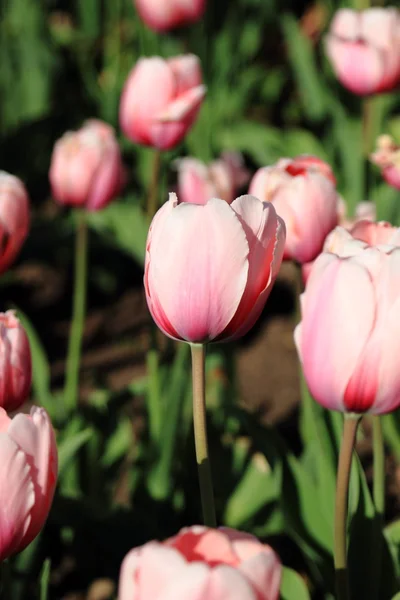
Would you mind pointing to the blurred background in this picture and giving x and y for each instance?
(127, 470)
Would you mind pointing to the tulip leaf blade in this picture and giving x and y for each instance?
(293, 586)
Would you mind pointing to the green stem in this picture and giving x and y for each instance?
(379, 497)
(341, 506)
(200, 434)
(152, 200)
(78, 315)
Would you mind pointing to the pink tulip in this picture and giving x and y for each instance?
(198, 183)
(349, 336)
(364, 48)
(210, 268)
(161, 100)
(201, 564)
(86, 167)
(304, 195)
(387, 157)
(15, 362)
(28, 479)
(14, 218)
(167, 14)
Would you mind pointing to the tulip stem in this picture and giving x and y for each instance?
(152, 199)
(78, 314)
(341, 505)
(378, 494)
(200, 434)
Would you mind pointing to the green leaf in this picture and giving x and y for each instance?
(69, 447)
(293, 586)
(118, 443)
(45, 579)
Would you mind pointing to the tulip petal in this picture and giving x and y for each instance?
(17, 496)
(339, 296)
(191, 583)
(183, 106)
(264, 571)
(127, 589)
(226, 583)
(198, 268)
(358, 66)
(187, 72)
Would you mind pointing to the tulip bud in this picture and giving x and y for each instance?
(202, 563)
(349, 336)
(303, 193)
(210, 268)
(27, 478)
(15, 362)
(198, 182)
(387, 157)
(161, 119)
(14, 218)
(364, 49)
(167, 14)
(86, 167)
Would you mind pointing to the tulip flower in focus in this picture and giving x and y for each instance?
(15, 362)
(14, 218)
(210, 268)
(161, 100)
(202, 564)
(349, 336)
(167, 14)
(86, 167)
(387, 157)
(28, 477)
(303, 193)
(364, 49)
(198, 183)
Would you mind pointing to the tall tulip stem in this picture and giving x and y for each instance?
(152, 199)
(341, 505)
(378, 491)
(200, 434)
(78, 314)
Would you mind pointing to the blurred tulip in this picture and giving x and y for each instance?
(14, 218)
(364, 48)
(202, 564)
(210, 268)
(198, 183)
(161, 100)
(15, 362)
(86, 167)
(349, 336)
(167, 14)
(302, 191)
(387, 157)
(28, 477)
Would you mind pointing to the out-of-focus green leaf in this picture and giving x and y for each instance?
(262, 143)
(118, 443)
(301, 141)
(293, 586)
(69, 446)
(45, 579)
(308, 76)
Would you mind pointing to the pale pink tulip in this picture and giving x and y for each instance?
(201, 564)
(162, 15)
(364, 49)
(303, 194)
(15, 362)
(198, 182)
(349, 336)
(86, 167)
(14, 218)
(210, 268)
(387, 157)
(161, 100)
(28, 475)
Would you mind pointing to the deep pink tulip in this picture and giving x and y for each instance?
(198, 182)
(210, 268)
(167, 14)
(86, 167)
(28, 475)
(387, 157)
(14, 218)
(161, 100)
(349, 336)
(15, 362)
(202, 564)
(364, 48)
(303, 193)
